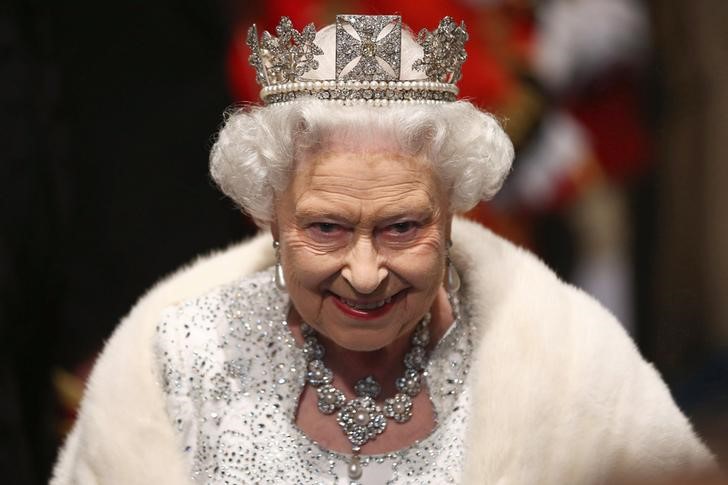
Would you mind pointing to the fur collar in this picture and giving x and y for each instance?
(560, 393)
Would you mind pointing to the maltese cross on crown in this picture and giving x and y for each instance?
(368, 47)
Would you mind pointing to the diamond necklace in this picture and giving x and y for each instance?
(362, 419)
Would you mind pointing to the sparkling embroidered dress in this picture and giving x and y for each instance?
(233, 375)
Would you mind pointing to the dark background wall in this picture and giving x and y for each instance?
(107, 113)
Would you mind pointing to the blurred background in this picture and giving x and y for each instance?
(618, 110)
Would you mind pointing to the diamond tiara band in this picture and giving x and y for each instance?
(367, 66)
(370, 92)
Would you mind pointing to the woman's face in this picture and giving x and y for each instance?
(363, 242)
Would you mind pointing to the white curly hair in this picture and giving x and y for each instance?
(257, 148)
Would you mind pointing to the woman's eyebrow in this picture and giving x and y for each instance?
(318, 212)
(395, 214)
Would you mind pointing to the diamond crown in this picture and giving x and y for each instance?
(367, 66)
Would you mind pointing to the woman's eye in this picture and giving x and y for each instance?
(400, 229)
(403, 227)
(326, 227)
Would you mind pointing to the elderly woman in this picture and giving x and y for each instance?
(374, 338)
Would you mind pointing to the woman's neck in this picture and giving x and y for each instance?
(385, 364)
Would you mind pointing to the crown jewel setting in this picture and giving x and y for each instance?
(368, 62)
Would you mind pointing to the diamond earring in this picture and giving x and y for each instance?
(453, 278)
(280, 278)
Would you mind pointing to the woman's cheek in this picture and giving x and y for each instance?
(422, 267)
(311, 268)
(309, 241)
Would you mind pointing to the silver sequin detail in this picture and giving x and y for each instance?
(232, 376)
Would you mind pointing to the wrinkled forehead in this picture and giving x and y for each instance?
(372, 145)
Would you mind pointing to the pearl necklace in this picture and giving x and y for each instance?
(362, 419)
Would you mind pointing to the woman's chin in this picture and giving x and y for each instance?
(361, 340)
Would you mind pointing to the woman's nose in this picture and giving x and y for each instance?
(364, 269)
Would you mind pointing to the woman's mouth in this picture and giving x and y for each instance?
(366, 310)
(366, 306)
